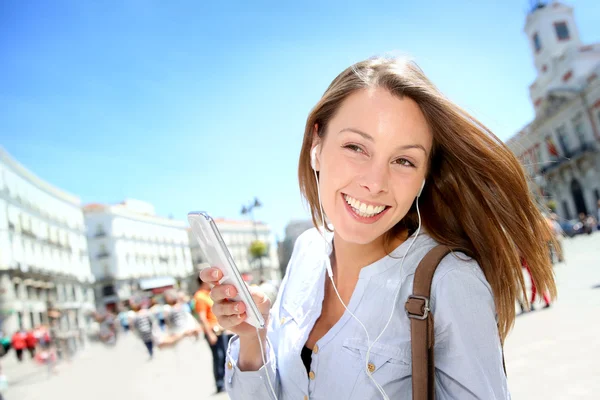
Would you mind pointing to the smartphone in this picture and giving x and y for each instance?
(206, 232)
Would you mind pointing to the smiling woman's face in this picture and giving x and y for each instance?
(372, 163)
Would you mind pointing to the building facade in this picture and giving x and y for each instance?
(560, 148)
(238, 235)
(44, 263)
(132, 249)
(292, 230)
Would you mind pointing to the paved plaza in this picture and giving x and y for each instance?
(551, 354)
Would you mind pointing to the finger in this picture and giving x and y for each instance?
(211, 275)
(222, 292)
(229, 308)
(231, 321)
(258, 295)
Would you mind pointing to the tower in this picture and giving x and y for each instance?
(552, 31)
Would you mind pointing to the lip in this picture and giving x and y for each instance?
(364, 220)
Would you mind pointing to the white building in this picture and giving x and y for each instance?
(131, 249)
(238, 236)
(560, 147)
(44, 260)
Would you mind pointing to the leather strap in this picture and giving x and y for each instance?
(422, 327)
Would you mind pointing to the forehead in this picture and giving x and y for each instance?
(381, 114)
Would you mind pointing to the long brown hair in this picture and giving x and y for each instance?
(476, 198)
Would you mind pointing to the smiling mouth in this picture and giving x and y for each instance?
(362, 209)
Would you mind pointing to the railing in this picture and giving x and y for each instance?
(103, 254)
(584, 148)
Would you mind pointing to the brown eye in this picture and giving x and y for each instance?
(354, 148)
(404, 162)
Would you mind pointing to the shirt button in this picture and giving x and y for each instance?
(371, 367)
(282, 321)
(229, 365)
(311, 375)
(316, 349)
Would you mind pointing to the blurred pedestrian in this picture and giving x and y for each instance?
(31, 342)
(180, 323)
(559, 234)
(19, 343)
(534, 290)
(143, 324)
(217, 337)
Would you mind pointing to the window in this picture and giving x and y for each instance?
(20, 319)
(100, 231)
(563, 139)
(562, 31)
(579, 129)
(537, 44)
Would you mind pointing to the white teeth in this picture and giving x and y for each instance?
(362, 209)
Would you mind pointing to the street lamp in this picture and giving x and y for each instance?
(249, 210)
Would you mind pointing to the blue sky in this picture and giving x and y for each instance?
(192, 106)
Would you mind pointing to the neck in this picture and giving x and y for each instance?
(349, 258)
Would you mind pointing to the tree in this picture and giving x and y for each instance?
(258, 249)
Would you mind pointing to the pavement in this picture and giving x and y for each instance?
(120, 372)
(550, 354)
(555, 353)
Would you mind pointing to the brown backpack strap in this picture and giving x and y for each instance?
(421, 325)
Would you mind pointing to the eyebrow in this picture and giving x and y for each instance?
(371, 139)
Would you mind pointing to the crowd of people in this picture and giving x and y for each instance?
(163, 321)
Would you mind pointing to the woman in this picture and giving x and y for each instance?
(399, 169)
(180, 322)
(142, 323)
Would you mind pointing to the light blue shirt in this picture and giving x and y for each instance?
(468, 354)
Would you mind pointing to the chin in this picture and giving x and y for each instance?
(354, 233)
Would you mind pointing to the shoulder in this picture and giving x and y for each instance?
(458, 268)
(307, 238)
(460, 284)
(308, 244)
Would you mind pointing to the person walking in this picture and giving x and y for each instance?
(216, 336)
(143, 324)
(534, 290)
(19, 343)
(31, 342)
(419, 211)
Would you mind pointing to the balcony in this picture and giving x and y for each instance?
(102, 254)
(570, 156)
(28, 233)
(100, 234)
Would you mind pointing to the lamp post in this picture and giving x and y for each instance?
(249, 210)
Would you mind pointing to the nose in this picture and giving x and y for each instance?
(375, 178)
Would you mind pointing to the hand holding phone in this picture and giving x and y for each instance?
(234, 302)
(223, 307)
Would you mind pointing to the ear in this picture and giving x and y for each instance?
(316, 143)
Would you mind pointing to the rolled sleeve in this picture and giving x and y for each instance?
(468, 352)
(250, 385)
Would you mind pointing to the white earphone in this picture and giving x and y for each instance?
(313, 164)
(313, 158)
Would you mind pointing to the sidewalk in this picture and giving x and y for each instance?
(29, 373)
